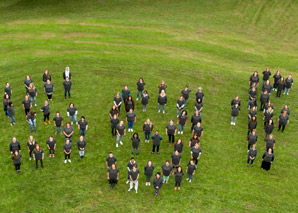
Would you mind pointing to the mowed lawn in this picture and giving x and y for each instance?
(212, 44)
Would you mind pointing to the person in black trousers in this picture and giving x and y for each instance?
(46, 112)
(135, 142)
(157, 183)
(140, 87)
(5, 104)
(252, 124)
(195, 153)
(114, 123)
(156, 138)
(27, 105)
(51, 144)
(267, 159)
(268, 115)
(38, 155)
(280, 87)
(252, 154)
(252, 139)
(31, 145)
(283, 120)
(178, 177)
(171, 131)
(113, 176)
(269, 128)
(67, 150)
(16, 158)
(264, 98)
(67, 87)
(148, 172)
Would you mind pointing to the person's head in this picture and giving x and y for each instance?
(254, 131)
(269, 103)
(158, 175)
(51, 138)
(16, 153)
(176, 152)
(67, 124)
(132, 159)
(6, 84)
(66, 79)
(26, 97)
(141, 80)
(28, 77)
(265, 91)
(237, 98)
(14, 139)
(269, 150)
(58, 114)
(167, 162)
(191, 162)
(135, 135)
(66, 68)
(183, 112)
(284, 113)
(31, 139)
(181, 97)
(179, 141)
(121, 123)
(71, 105)
(253, 119)
(179, 169)
(111, 154)
(267, 82)
(83, 118)
(156, 132)
(290, 76)
(197, 145)
(149, 163)
(197, 112)
(198, 124)
(253, 88)
(130, 111)
(134, 168)
(46, 72)
(195, 136)
(67, 141)
(200, 89)
(129, 98)
(113, 107)
(278, 72)
(253, 108)
(162, 83)
(267, 69)
(48, 81)
(269, 110)
(118, 94)
(6, 96)
(145, 92)
(37, 147)
(255, 73)
(162, 93)
(148, 121)
(286, 107)
(254, 146)
(33, 113)
(271, 122)
(282, 79)
(115, 116)
(125, 87)
(171, 122)
(10, 104)
(270, 136)
(46, 102)
(31, 86)
(81, 137)
(113, 166)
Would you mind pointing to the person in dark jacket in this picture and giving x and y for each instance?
(125, 93)
(129, 104)
(49, 89)
(264, 98)
(31, 145)
(193, 140)
(171, 131)
(195, 153)
(131, 118)
(280, 86)
(32, 120)
(83, 126)
(267, 86)
(252, 124)
(68, 131)
(7, 90)
(269, 128)
(147, 129)
(252, 154)
(270, 143)
(162, 86)
(67, 87)
(185, 92)
(200, 94)
(72, 113)
(235, 101)
(121, 131)
(199, 106)
(267, 159)
(129, 167)
(157, 183)
(156, 138)
(277, 76)
(288, 84)
(38, 155)
(179, 146)
(51, 144)
(196, 118)
(162, 101)
(180, 105)
(67, 147)
(46, 112)
(176, 160)
(81, 143)
(283, 120)
(27, 82)
(32, 92)
(58, 122)
(111, 159)
(134, 178)
(135, 142)
(27, 104)
(113, 176)
(14, 146)
(114, 123)
(66, 73)
(266, 75)
(198, 130)
(253, 103)
(166, 171)
(268, 115)
(118, 101)
(17, 160)
(286, 108)
(252, 112)
(178, 177)
(267, 106)
(190, 170)
(46, 76)
(252, 139)
(182, 120)
(5, 104)
(145, 100)
(254, 78)
(140, 87)
(114, 111)
(252, 95)
(11, 113)
(148, 172)
(234, 113)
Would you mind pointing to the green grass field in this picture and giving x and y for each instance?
(213, 44)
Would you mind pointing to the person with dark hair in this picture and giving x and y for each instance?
(114, 111)
(195, 118)
(198, 130)
(145, 100)
(252, 124)
(140, 87)
(83, 126)
(254, 78)
(176, 160)
(185, 92)
(179, 146)
(286, 108)
(131, 118)
(280, 86)
(157, 183)
(267, 86)
(178, 177)
(267, 159)
(14, 146)
(51, 144)
(118, 101)
(268, 115)
(190, 170)
(195, 153)
(283, 120)
(121, 131)
(267, 106)
(66, 73)
(148, 172)
(38, 155)
(32, 92)
(32, 120)
(129, 104)
(234, 113)
(252, 96)
(162, 86)
(11, 113)
(31, 145)
(81, 143)
(171, 131)
(72, 113)
(125, 93)
(17, 160)
(156, 138)
(182, 120)
(253, 103)
(67, 87)
(129, 167)
(200, 94)
(7, 90)
(269, 128)
(180, 105)
(147, 129)
(58, 122)
(27, 105)
(288, 84)
(114, 123)
(162, 101)
(252, 112)
(111, 159)
(46, 76)
(270, 143)
(199, 106)
(252, 139)
(49, 89)
(6, 101)
(27, 82)
(193, 140)
(264, 98)
(46, 112)
(134, 177)
(67, 147)
(266, 75)
(68, 131)
(235, 101)
(166, 170)
(113, 176)
(277, 76)
(135, 142)
(252, 154)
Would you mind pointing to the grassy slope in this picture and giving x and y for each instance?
(216, 45)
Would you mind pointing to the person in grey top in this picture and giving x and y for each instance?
(145, 100)
(148, 172)
(67, 150)
(81, 143)
(185, 94)
(283, 120)
(190, 170)
(72, 113)
(49, 89)
(121, 131)
(14, 146)
(198, 130)
(135, 142)
(270, 143)
(32, 120)
(32, 92)
(131, 118)
(267, 159)
(129, 167)
(125, 93)
(27, 104)
(7, 90)
(5, 104)
(171, 131)
(176, 160)
(288, 84)
(83, 126)
(68, 131)
(157, 183)
(180, 105)
(182, 120)
(111, 159)
(58, 122)
(46, 112)
(27, 82)
(11, 113)
(234, 113)
(51, 144)
(134, 177)
(156, 138)
(195, 118)
(252, 154)
(113, 176)
(162, 101)
(38, 155)
(178, 177)
(114, 123)
(17, 160)
(67, 87)
(140, 87)
(195, 153)
(252, 139)
(166, 170)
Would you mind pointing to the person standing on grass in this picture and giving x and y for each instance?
(134, 178)
(199, 106)
(198, 130)
(147, 129)
(264, 98)
(83, 126)
(235, 101)
(200, 94)
(7, 90)
(51, 144)
(145, 100)
(178, 177)
(195, 153)
(252, 124)
(270, 143)
(156, 138)
(5, 104)
(234, 113)
(277, 76)
(182, 120)
(176, 160)
(114, 123)
(46, 112)
(140, 87)
(178, 146)
(252, 93)
(129, 104)
(269, 104)
(252, 112)
(252, 154)
(131, 118)
(68, 130)
(148, 172)
(14, 146)
(195, 119)
(162, 101)
(67, 87)
(27, 105)
(125, 93)
(121, 131)
(190, 170)
(67, 150)
(11, 113)
(253, 103)
(32, 120)
(27, 82)
(252, 139)
(288, 84)
(49, 89)
(135, 142)
(38, 155)
(283, 120)
(166, 170)
(17, 160)
(72, 113)
(280, 86)
(254, 78)
(185, 92)
(193, 140)
(111, 159)
(118, 101)
(157, 183)
(286, 108)
(162, 86)
(46, 76)
(113, 176)
(171, 131)
(81, 144)
(269, 128)
(268, 115)
(129, 166)
(32, 91)
(58, 123)
(66, 73)
(266, 75)
(31, 145)
(267, 86)
(113, 111)
(180, 105)
(267, 159)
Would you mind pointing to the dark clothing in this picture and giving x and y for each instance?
(125, 94)
(234, 101)
(182, 119)
(72, 111)
(145, 99)
(166, 170)
(64, 75)
(120, 129)
(199, 95)
(235, 111)
(18, 159)
(67, 85)
(46, 77)
(178, 147)
(113, 173)
(164, 87)
(196, 152)
(171, 129)
(269, 143)
(140, 85)
(11, 112)
(198, 130)
(266, 75)
(162, 100)
(58, 121)
(7, 90)
(191, 169)
(28, 82)
(156, 139)
(288, 82)
(48, 88)
(276, 78)
(27, 104)
(81, 144)
(51, 144)
(198, 106)
(67, 147)
(32, 92)
(283, 109)
(252, 153)
(157, 182)
(135, 142)
(176, 159)
(38, 154)
(134, 174)
(114, 112)
(148, 170)
(68, 130)
(32, 146)
(147, 127)
(129, 104)
(196, 119)
(82, 124)
(252, 125)
(130, 116)
(178, 176)
(157, 148)
(264, 98)
(269, 129)
(185, 93)
(254, 79)
(283, 120)
(45, 109)
(117, 101)
(252, 139)
(111, 160)
(114, 122)
(180, 103)
(192, 142)
(130, 165)
(267, 116)
(268, 157)
(13, 147)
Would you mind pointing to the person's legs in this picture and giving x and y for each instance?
(16, 166)
(41, 163)
(30, 125)
(185, 103)
(279, 127)
(65, 93)
(283, 128)
(36, 163)
(173, 139)
(248, 146)
(169, 138)
(137, 150)
(136, 185)
(130, 185)
(251, 162)
(159, 106)
(182, 128)
(192, 126)
(117, 139)
(34, 125)
(75, 118)
(157, 149)
(153, 149)
(163, 108)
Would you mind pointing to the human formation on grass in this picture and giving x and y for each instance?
(118, 127)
